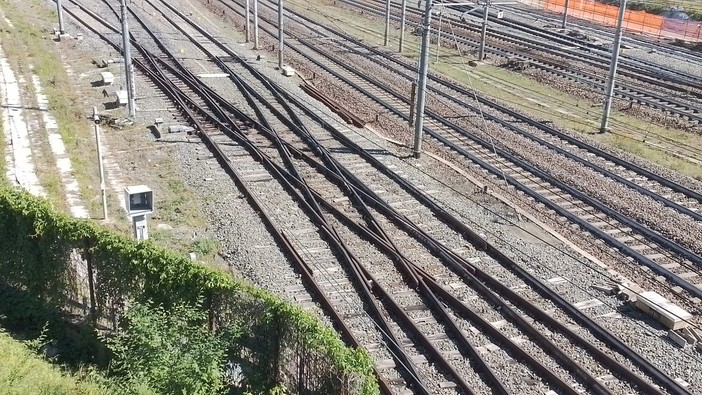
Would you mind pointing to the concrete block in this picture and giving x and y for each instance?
(107, 78)
(179, 129)
(121, 98)
(192, 256)
(664, 311)
(288, 71)
(677, 339)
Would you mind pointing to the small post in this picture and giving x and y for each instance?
(103, 189)
(91, 281)
(423, 69)
(483, 34)
(403, 15)
(387, 22)
(413, 98)
(565, 14)
(59, 8)
(247, 11)
(255, 10)
(609, 90)
(127, 61)
(280, 34)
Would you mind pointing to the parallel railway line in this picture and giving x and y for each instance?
(631, 90)
(614, 228)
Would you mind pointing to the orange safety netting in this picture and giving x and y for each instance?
(638, 21)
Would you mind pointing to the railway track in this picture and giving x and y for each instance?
(604, 223)
(200, 104)
(652, 44)
(683, 108)
(675, 146)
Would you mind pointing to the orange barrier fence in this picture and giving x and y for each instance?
(636, 21)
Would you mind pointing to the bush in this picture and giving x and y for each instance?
(57, 262)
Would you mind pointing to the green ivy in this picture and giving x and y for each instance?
(41, 247)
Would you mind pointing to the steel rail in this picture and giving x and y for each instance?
(692, 289)
(405, 268)
(480, 243)
(654, 69)
(597, 55)
(560, 383)
(279, 236)
(545, 128)
(571, 140)
(589, 79)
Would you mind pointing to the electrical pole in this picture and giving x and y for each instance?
(423, 67)
(127, 61)
(438, 36)
(565, 14)
(280, 34)
(255, 23)
(402, 24)
(483, 34)
(609, 90)
(387, 22)
(247, 11)
(103, 192)
(60, 16)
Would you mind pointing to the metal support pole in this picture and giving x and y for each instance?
(126, 53)
(403, 15)
(91, 280)
(247, 11)
(103, 188)
(483, 34)
(280, 34)
(59, 8)
(609, 90)
(413, 98)
(255, 10)
(423, 68)
(565, 14)
(387, 23)
(438, 37)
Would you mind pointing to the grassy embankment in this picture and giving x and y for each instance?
(23, 372)
(27, 41)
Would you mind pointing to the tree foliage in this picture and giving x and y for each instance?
(170, 352)
(45, 262)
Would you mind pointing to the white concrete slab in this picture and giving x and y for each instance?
(16, 130)
(58, 148)
(673, 314)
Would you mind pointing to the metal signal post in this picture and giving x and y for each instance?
(126, 49)
(280, 34)
(609, 90)
(423, 69)
(59, 7)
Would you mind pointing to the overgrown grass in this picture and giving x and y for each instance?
(30, 43)
(23, 372)
(3, 147)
